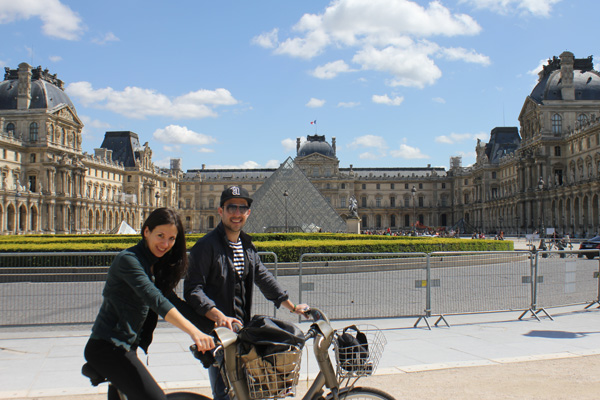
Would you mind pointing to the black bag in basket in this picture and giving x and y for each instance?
(269, 335)
(353, 350)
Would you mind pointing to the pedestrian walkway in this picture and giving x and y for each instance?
(45, 363)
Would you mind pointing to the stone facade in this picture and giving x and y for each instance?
(545, 177)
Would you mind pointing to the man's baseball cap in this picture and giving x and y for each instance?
(235, 192)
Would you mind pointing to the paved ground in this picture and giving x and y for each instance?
(479, 356)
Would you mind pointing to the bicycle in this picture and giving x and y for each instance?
(276, 376)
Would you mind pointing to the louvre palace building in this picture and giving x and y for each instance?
(543, 174)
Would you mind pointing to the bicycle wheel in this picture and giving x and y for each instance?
(363, 393)
(186, 396)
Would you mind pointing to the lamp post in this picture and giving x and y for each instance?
(517, 218)
(285, 197)
(541, 187)
(17, 195)
(414, 194)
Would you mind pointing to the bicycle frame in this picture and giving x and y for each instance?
(320, 331)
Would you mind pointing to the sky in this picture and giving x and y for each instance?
(233, 84)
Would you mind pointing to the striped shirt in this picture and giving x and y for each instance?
(238, 256)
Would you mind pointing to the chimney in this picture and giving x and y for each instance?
(24, 88)
(297, 145)
(566, 75)
(333, 145)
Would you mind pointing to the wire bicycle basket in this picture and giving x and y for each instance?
(359, 359)
(273, 376)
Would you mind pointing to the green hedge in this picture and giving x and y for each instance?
(288, 247)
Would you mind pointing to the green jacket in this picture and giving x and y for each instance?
(129, 294)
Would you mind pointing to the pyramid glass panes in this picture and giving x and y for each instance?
(288, 202)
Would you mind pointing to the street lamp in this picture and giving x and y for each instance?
(414, 194)
(17, 195)
(541, 187)
(285, 196)
(517, 218)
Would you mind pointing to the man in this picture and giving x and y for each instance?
(224, 266)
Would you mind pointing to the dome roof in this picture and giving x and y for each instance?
(586, 81)
(46, 90)
(316, 144)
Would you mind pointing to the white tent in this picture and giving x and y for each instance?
(124, 229)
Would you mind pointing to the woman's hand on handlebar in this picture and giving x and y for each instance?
(302, 309)
(202, 341)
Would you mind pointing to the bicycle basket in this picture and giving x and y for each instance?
(273, 376)
(358, 357)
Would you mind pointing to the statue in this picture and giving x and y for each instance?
(353, 207)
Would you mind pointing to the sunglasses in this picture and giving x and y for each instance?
(232, 208)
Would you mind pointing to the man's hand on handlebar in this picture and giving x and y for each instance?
(302, 309)
(229, 323)
(203, 341)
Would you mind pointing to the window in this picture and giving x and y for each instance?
(315, 171)
(421, 201)
(378, 221)
(392, 220)
(33, 132)
(128, 178)
(363, 201)
(493, 175)
(556, 124)
(420, 186)
(443, 185)
(378, 186)
(392, 202)
(494, 193)
(466, 181)
(392, 186)
(32, 158)
(557, 151)
(343, 202)
(32, 183)
(406, 186)
(10, 129)
(343, 186)
(378, 201)
(211, 203)
(407, 202)
(188, 203)
(364, 186)
(582, 120)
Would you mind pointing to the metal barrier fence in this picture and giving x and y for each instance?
(65, 288)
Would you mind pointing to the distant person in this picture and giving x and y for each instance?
(137, 286)
(224, 266)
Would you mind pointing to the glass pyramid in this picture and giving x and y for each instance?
(301, 209)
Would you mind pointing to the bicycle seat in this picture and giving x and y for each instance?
(95, 377)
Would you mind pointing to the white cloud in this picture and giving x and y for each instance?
(93, 123)
(411, 66)
(458, 53)
(134, 102)
(439, 100)
(385, 99)
(58, 20)
(246, 165)
(331, 70)
(315, 103)
(392, 36)
(109, 37)
(267, 40)
(538, 8)
(455, 138)
(408, 153)
(175, 134)
(348, 104)
(55, 58)
(370, 142)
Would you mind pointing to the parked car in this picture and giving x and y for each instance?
(593, 243)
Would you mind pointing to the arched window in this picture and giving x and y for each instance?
(582, 120)
(556, 124)
(10, 129)
(33, 132)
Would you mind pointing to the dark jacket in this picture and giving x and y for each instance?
(210, 280)
(129, 295)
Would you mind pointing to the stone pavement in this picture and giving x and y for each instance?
(479, 356)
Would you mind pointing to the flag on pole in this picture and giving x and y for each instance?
(313, 122)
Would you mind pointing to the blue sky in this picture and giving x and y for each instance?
(232, 84)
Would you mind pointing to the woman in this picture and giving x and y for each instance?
(138, 283)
